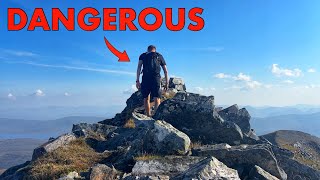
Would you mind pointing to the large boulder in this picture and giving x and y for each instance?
(148, 137)
(97, 130)
(16, 172)
(155, 136)
(196, 116)
(243, 156)
(52, 145)
(175, 83)
(169, 166)
(242, 118)
(167, 140)
(210, 168)
(239, 116)
(257, 173)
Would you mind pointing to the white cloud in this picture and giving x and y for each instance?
(233, 87)
(278, 71)
(248, 85)
(239, 77)
(67, 94)
(198, 89)
(39, 93)
(203, 90)
(19, 53)
(246, 81)
(215, 49)
(312, 86)
(312, 70)
(253, 84)
(288, 82)
(268, 86)
(222, 76)
(132, 90)
(242, 77)
(11, 96)
(111, 71)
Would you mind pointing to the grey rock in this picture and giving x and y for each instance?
(261, 155)
(71, 176)
(210, 168)
(160, 177)
(252, 134)
(239, 116)
(97, 130)
(168, 140)
(142, 121)
(175, 83)
(149, 137)
(53, 145)
(165, 166)
(103, 172)
(280, 152)
(257, 173)
(161, 137)
(195, 115)
(135, 101)
(15, 173)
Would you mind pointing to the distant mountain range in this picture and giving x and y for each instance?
(262, 112)
(17, 128)
(56, 112)
(264, 120)
(308, 123)
(16, 151)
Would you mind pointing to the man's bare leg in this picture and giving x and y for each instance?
(156, 104)
(147, 106)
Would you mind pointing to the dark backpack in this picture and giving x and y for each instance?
(151, 64)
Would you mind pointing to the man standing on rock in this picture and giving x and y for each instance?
(151, 62)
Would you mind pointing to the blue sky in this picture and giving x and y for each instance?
(250, 52)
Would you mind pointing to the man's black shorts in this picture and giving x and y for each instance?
(151, 86)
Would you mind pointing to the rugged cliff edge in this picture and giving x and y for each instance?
(188, 138)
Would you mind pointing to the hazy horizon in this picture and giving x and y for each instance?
(270, 58)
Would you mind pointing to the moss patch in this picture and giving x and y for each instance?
(146, 157)
(77, 156)
(130, 124)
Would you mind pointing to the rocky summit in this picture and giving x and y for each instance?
(187, 138)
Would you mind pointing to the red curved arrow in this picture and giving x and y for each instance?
(123, 56)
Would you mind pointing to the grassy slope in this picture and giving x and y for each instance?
(305, 146)
(77, 156)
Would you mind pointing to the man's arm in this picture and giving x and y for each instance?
(165, 70)
(138, 74)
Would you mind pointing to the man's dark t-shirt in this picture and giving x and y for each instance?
(151, 83)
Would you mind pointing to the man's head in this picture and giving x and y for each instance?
(152, 48)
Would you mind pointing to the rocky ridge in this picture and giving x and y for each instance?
(187, 138)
